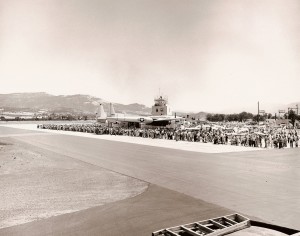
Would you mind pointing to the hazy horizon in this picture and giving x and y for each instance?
(209, 55)
(268, 107)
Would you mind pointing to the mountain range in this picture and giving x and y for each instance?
(77, 103)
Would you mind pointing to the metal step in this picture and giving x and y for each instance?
(211, 227)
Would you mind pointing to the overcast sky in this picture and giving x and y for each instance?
(206, 55)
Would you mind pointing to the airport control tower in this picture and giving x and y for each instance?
(161, 107)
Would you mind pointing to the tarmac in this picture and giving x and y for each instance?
(185, 185)
(180, 145)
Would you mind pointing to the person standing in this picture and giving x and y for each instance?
(280, 141)
(291, 141)
(296, 140)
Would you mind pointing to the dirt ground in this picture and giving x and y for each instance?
(154, 209)
(37, 184)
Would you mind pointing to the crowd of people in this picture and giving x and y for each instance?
(274, 138)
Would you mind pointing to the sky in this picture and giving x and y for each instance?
(204, 55)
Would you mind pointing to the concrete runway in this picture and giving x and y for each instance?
(182, 145)
(263, 184)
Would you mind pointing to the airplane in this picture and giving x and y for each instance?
(149, 120)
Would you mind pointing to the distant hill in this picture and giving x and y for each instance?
(70, 103)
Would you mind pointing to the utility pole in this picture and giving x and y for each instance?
(258, 112)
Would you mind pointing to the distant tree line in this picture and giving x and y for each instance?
(241, 117)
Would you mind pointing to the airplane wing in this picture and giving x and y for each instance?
(158, 119)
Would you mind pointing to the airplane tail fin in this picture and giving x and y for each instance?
(111, 110)
(101, 114)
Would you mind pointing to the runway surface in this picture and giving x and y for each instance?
(263, 184)
(182, 145)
